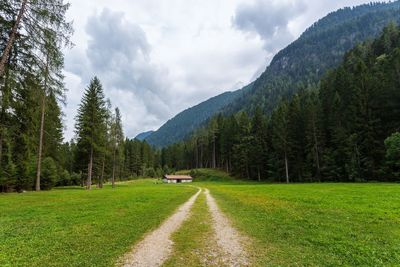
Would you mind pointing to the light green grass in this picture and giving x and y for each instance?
(316, 224)
(74, 227)
(290, 225)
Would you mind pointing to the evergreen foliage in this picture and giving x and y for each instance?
(343, 130)
(317, 114)
(186, 122)
(301, 64)
(319, 49)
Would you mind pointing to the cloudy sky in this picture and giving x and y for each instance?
(156, 58)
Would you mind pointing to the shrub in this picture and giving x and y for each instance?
(392, 157)
(76, 178)
(49, 174)
(149, 172)
(64, 179)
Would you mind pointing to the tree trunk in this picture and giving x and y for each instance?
(259, 174)
(10, 42)
(1, 145)
(197, 155)
(201, 156)
(316, 152)
(90, 167)
(4, 107)
(214, 164)
(287, 168)
(101, 182)
(39, 160)
(113, 171)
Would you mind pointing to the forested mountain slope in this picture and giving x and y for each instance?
(319, 48)
(346, 129)
(143, 136)
(183, 124)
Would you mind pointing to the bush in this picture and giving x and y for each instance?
(149, 172)
(210, 175)
(76, 178)
(49, 174)
(64, 179)
(392, 157)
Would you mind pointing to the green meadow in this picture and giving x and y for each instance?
(289, 225)
(74, 227)
(316, 224)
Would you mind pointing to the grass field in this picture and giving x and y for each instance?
(315, 224)
(290, 225)
(74, 227)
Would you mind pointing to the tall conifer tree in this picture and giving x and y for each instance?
(91, 127)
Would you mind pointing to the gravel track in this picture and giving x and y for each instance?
(229, 240)
(156, 247)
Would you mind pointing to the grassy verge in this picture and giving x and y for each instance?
(315, 224)
(74, 227)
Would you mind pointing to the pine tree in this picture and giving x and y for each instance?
(37, 19)
(52, 86)
(241, 147)
(258, 144)
(91, 125)
(280, 131)
(117, 142)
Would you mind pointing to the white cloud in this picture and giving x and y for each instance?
(156, 58)
(269, 19)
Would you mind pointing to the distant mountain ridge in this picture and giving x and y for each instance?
(183, 124)
(320, 48)
(301, 64)
(143, 136)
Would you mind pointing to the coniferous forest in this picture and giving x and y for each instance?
(33, 154)
(305, 61)
(343, 128)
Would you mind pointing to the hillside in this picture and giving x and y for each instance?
(143, 136)
(183, 124)
(319, 48)
(344, 130)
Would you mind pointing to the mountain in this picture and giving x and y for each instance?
(143, 136)
(183, 124)
(320, 48)
(346, 129)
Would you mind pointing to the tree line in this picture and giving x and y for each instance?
(344, 129)
(32, 36)
(33, 154)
